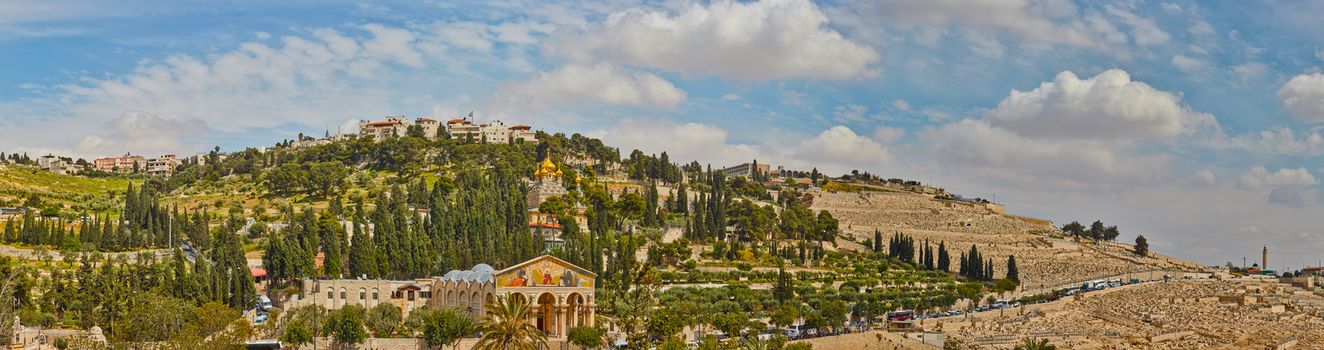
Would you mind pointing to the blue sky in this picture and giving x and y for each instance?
(1196, 124)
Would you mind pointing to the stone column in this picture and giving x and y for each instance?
(592, 310)
(559, 317)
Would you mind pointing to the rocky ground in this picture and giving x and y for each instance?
(1043, 261)
(1182, 314)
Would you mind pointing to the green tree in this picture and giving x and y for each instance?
(345, 325)
(508, 327)
(1142, 246)
(296, 335)
(384, 319)
(586, 337)
(445, 327)
(1012, 272)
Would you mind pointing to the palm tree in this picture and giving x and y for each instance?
(1028, 343)
(508, 328)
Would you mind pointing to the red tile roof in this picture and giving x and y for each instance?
(454, 121)
(544, 225)
(383, 123)
(424, 120)
(520, 127)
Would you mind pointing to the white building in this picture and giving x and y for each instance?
(56, 165)
(397, 125)
(494, 132)
(163, 165)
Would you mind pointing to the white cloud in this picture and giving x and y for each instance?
(1249, 70)
(1203, 177)
(1283, 141)
(600, 83)
(683, 142)
(888, 135)
(850, 113)
(1107, 106)
(1303, 97)
(763, 40)
(1003, 155)
(1286, 186)
(983, 24)
(839, 149)
(1187, 64)
(1145, 32)
(901, 104)
(1259, 177)
(835, 150)
(312, 80)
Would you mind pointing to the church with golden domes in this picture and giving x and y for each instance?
(546, 183)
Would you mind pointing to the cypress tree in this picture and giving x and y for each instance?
(1012, 273)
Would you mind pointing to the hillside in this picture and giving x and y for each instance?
(1042, 255)
(73, 193)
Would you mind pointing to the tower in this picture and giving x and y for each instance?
(1264, 258)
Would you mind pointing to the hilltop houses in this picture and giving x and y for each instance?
(163, 165)
(126, 163)
(397, 125)
(56, 165)
(494, 132)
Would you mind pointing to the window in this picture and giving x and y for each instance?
(411, 295)
(362, 294)
(330, 294)
(342, 294)
(425, 295)
(374, 295)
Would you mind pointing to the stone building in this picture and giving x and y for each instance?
(546, 183)
(163, 165)
(561, 294)
(124, 164)
(495, 132)
(397, 125)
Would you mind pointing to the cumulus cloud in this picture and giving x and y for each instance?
(1071, 133)
(1303, 97)
(1293, 187)
(304, 80)
(683, 142)
(600, 83)
(763, 40)
(143, 133)
(1004, 155)
(839, 149)
(1259, 177)
(1107, 106)
(835, 150)
(1283, 141)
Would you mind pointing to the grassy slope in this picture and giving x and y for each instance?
(75, 193)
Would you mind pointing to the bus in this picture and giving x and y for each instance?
(903, 315)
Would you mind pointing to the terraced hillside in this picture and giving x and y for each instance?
(74, 193)
(1044, 257)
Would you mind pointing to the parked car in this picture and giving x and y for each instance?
(263, 303)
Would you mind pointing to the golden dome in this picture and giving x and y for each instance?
(547, 169)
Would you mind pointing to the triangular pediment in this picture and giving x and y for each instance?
(545, 271)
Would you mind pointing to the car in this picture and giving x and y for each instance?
(263, 303)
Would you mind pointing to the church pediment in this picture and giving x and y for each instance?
(545, 271)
